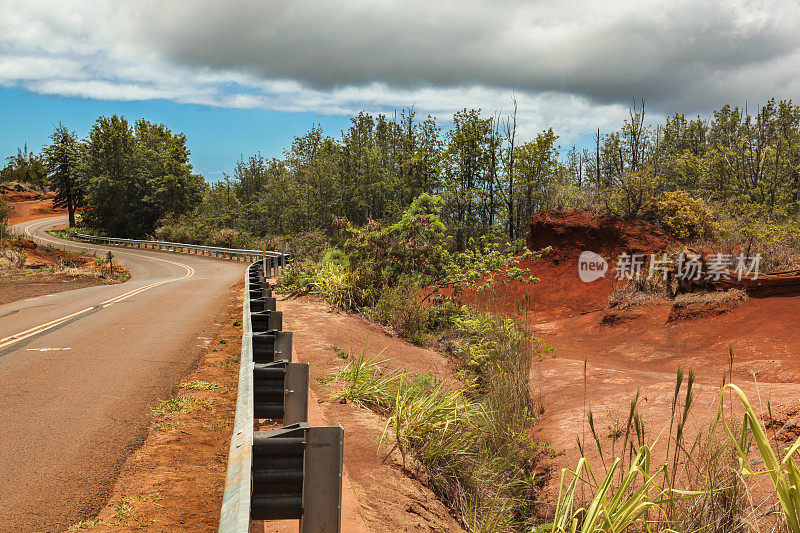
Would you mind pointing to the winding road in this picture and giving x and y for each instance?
(80, 371)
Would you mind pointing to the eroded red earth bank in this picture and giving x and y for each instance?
(638, 348)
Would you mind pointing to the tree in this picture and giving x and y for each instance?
(136, 176)
(25, 167)
(510, 130)
(62, 160)
(469, 174)
(162, 162)
(113, 188)
(536, 164)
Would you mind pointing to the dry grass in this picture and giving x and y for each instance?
(717, 298)
(698, 304)
(11, 257)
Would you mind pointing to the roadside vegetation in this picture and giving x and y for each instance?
(124, 177)
(470, 438)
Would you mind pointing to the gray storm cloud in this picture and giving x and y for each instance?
(688, 56)
(676, 54)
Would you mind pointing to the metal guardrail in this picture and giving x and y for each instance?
(294, 472)
(274, 260)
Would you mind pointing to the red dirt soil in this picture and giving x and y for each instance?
(560, 292)
(640, 348)
(27, 204)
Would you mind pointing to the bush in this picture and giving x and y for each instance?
(682, 216)
(335, 255)
(334, 284)
(298, 277)
(400, 307)
(632, 192)
(749, 229)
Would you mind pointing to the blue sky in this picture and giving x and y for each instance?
(216, 135)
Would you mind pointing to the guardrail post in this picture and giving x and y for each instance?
(295, 394)
(322, 480)
(271, 346)
(280, 391)
(267, 320)
(297, 473)
(278, 461)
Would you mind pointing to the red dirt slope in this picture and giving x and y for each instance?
(644, 350)
(560, 292)
(28, 204)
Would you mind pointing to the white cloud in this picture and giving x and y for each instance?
(574, 64)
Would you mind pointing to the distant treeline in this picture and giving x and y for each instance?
(493, 181)
(733, 164)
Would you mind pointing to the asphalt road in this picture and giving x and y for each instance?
(80, 371)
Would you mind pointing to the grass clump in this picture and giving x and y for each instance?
(167, 426)
(199, 385)
(87, 524)
(182, 404)
(366, 384)
(781, 471)
(732, 476)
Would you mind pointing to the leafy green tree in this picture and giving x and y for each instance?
(136, 176)
(62, 161)
(114, 190)
(25, 167)
(468, 172)
(536, 164)
(163, 167)
(313, 163)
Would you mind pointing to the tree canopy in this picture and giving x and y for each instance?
(135, 176)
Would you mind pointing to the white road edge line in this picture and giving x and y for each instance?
(22, 335)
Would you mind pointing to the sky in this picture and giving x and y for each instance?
(243, 76)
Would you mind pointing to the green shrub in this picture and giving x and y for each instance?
(298, 277)
(400, 307)
(336, 256)
(682, 216)
(334, 284)
(750, 229)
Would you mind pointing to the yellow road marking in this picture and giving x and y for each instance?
(30, 332)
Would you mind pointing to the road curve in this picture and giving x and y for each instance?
(80, 370)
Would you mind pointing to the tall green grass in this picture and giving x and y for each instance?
(782, 472)
(365, 383)
(713, 482)
(471, 443)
